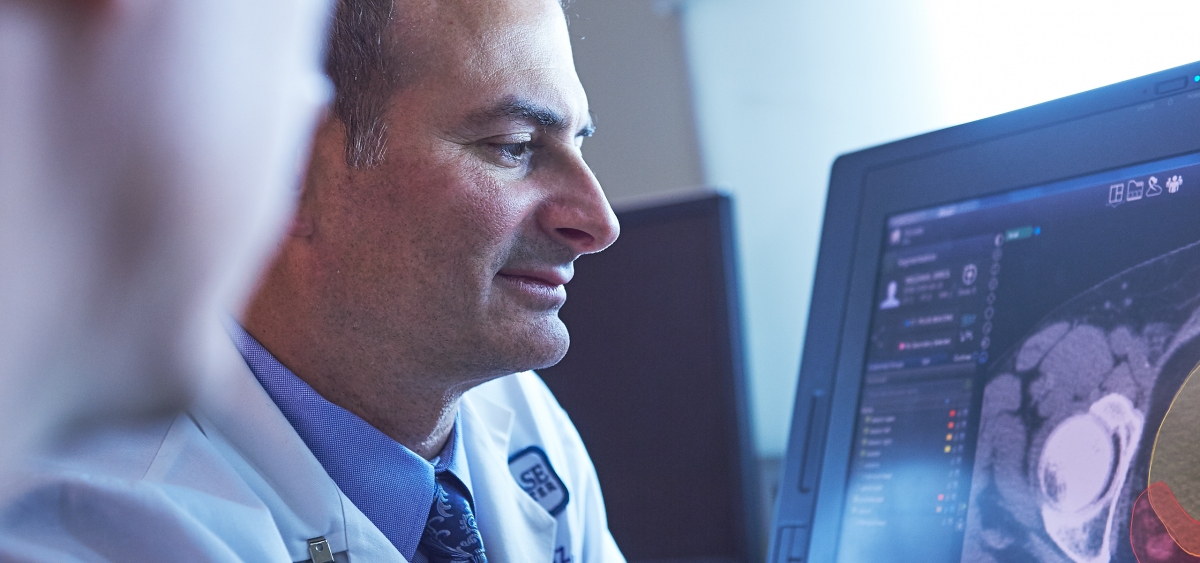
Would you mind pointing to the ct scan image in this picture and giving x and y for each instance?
(1070, 414)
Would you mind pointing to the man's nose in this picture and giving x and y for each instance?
(578, 214)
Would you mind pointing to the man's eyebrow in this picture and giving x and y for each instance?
(532, 112)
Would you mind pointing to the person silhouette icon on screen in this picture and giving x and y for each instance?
(891, 302)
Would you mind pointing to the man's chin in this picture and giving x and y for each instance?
(535, 345)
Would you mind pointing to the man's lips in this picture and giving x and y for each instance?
(542, 288)
(549, 278)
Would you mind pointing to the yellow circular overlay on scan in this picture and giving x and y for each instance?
(1175, 463)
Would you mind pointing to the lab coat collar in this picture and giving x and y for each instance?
(514, 527)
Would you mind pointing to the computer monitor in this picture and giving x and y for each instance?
(1002, 313)
(654, 382)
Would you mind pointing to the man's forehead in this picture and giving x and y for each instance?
(473, 18)
(499, 59)
(494, 34)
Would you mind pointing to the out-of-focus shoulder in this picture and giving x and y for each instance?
(134, 492)
(117, 450)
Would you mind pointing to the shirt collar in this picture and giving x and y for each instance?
(391, 485)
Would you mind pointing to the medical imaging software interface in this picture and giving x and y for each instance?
(1023, 350)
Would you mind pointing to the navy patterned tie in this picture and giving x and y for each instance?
(451, 535)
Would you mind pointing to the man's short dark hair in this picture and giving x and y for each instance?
(364, 75)
(366, 68)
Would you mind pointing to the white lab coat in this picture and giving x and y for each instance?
(232, 481)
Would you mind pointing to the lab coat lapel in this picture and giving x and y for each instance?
(514, 527)
(245, 425)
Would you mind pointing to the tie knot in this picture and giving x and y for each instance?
(451, 535)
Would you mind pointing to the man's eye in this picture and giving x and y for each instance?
(514, 151)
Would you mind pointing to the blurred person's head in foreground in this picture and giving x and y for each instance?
(150, 153)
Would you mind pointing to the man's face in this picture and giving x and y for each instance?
(454, 251)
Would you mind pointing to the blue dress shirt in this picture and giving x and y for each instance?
(391, 485)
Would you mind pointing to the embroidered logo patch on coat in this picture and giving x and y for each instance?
(531, 468)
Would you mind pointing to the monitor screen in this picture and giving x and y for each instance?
(1003, 313)
(1021, 348)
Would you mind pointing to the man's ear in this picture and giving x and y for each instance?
(304, 220)
(302, 225)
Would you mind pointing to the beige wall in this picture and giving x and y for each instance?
(630, 57)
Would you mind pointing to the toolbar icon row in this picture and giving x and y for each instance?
(1134, 190)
